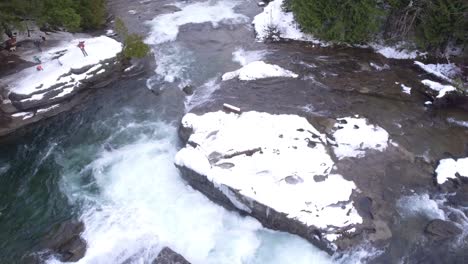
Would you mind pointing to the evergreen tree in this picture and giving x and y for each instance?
(351, 21)
(443, 22)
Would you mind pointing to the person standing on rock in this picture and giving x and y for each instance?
(37, 43)
(37, 59)
(81, 45)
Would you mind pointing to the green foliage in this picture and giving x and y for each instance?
(73, 15)
(134, 46)
(351, 21)
(92, 12)
(60, 13)
(442, 22)
(120, 28)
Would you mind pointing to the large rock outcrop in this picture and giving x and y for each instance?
(280, 170)
(31, 95)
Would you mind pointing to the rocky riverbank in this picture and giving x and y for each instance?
(30, 94)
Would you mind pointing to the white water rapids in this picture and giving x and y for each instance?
(142, 204)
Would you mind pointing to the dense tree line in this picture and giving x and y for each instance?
(72, 15)
(431, 24)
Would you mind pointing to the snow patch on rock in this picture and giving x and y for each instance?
(258, 70)
(23, 115)
(448, 168)
(444, 71)
(405, 89)
(458, 122)
(441, 88)
(274, 160)
(43, 110)
(353, 136)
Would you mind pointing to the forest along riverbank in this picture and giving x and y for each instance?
(110, 164)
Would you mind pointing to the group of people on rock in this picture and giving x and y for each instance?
(10, 45)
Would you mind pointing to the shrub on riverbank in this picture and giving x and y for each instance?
(134, 47)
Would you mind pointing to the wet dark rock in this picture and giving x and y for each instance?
(269, 217)
(319, 178)
(460, 198)
(453, 99)
(293, 179)
(188, 89)
(169, 256)
(364, 207)
(440, 229)
(64, 241)
(226, 165)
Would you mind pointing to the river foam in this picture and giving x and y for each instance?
(165, 27)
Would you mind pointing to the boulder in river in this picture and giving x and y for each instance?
(169, 256)
(65, 241)
(440, 229)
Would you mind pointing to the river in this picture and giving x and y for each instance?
(109, 162)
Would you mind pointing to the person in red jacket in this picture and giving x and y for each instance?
(81, 45)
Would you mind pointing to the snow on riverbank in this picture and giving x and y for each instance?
(397, 52)
(60, 62)
(273, 16)
(443, 71)
(448, 168)
(258, 70)
(278, 160)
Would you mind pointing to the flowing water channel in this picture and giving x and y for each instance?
(109, 162)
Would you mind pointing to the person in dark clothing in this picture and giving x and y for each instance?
(37, 43)
(37, 59)
(81, 45)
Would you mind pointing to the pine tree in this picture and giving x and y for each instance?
(351, 21)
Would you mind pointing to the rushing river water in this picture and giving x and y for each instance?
(109, 162)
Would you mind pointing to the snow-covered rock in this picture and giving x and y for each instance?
(448, 169)
(438, 87)
(33, 94)
(65, 69)
(274, 167)
(405, 89)
(61, 63)
(258, 70)
(353, 136)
